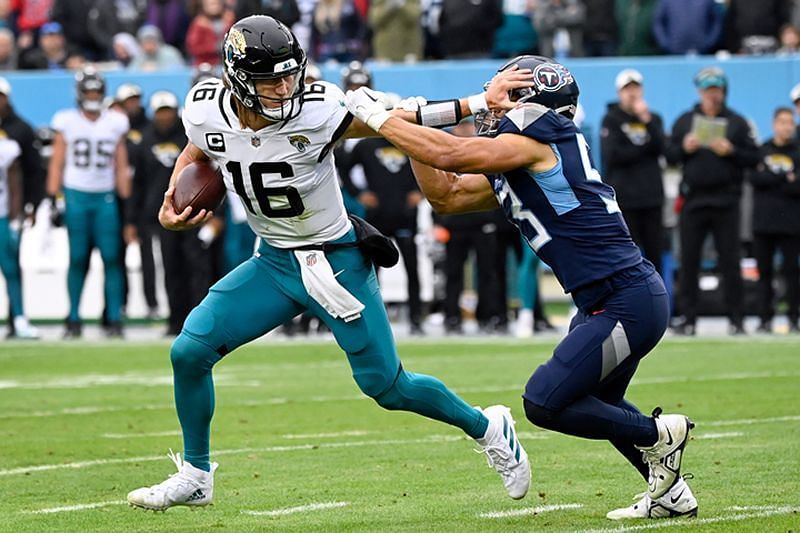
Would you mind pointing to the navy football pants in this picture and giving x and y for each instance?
(580, 390)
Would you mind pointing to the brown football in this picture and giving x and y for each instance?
(199, 185)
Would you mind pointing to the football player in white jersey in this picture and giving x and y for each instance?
(11, 215)
(90, 162)
(272, 138)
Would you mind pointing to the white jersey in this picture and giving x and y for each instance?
(89, 164)
(9, 152)
(283, 174)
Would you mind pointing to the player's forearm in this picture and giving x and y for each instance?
(14, 193)
(436, 185)
(430, 146)
(55, 173)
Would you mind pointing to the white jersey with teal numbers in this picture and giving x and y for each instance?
(89, 163)
(284, 174)
(9, 152)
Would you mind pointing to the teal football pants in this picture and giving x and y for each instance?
(264, 292)
(238, 243)
(528, 277)
(92, 219)
(9, 265)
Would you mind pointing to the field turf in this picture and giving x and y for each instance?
(300, 449)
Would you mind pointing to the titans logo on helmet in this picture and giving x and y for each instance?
(551, 77)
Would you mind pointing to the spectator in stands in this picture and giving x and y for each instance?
(466, 29)
(635, 25)
(516, 35)
(600, 32)
(54, 53)
(30, 15)
(8, 50)
(560, 24)
(30, 170)
(714, 145)
(776, 218)
(396, 30)
(130, 15)
(339, 31)
(187, 263)
(171, 17)
(126, 48)
(285, 11)
(155, 54)
(688, 26)
(632, 142)
(789, 40)
(89, 25)
(752, 27)
(206, 31)
(431, 29)
(794, 94)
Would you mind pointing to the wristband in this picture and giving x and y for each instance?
(477, 103)
(439, 114)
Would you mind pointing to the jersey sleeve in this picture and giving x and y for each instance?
(202, 107)
(324, 103)
(60, 121)
(121, 125)
(9, 151)
(537, 122)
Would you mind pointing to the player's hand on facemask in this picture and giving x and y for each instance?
(172, 220)
(368, 106)
(497, 97)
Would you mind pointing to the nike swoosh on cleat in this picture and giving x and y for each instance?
(337, 274)
(673, 501)
(669, 437)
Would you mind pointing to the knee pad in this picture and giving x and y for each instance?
(190, 355)
(538, 415)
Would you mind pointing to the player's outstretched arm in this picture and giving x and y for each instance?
(451, 193)
(417, 110)
(122, 171)
(167, 216)
(55, 170)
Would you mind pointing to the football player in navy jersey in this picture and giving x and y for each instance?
(534, 162)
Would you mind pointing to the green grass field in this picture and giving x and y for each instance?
(300, 449)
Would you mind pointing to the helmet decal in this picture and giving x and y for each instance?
(551, 77)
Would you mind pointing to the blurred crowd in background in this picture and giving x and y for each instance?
(725, 176)
(160, 34)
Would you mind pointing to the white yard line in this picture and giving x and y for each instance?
(728, 435)
(79, 507)
(749, 421)
(355, 433)
(299, 509)
(126, 436)
(531, 510)
(113, 380)
(752, 512)
(268, 449)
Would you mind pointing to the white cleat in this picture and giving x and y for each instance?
(190, 486)
(504, 452)
(664, 457)
(523, 329)
(23, 329)
(679, 501)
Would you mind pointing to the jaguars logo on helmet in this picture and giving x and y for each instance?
(261, 48)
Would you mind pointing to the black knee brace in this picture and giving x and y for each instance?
(538, 415)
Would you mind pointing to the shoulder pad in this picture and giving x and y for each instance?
(526, 114)
(200, 100)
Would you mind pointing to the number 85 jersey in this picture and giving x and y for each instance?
(284, 174)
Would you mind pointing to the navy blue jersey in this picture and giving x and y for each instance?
(567, 214)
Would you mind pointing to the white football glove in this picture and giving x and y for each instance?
(368, 106)
(412, 103)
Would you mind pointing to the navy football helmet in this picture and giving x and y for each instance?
(356, 75)
(259, 47)
(553, 87)
(86, 80)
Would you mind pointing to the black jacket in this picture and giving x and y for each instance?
(631, 152)
(33, 171)
(708, 179)
(388, 175)
(466, 29)
(155, 158)
(285, 11)
(776, 199)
